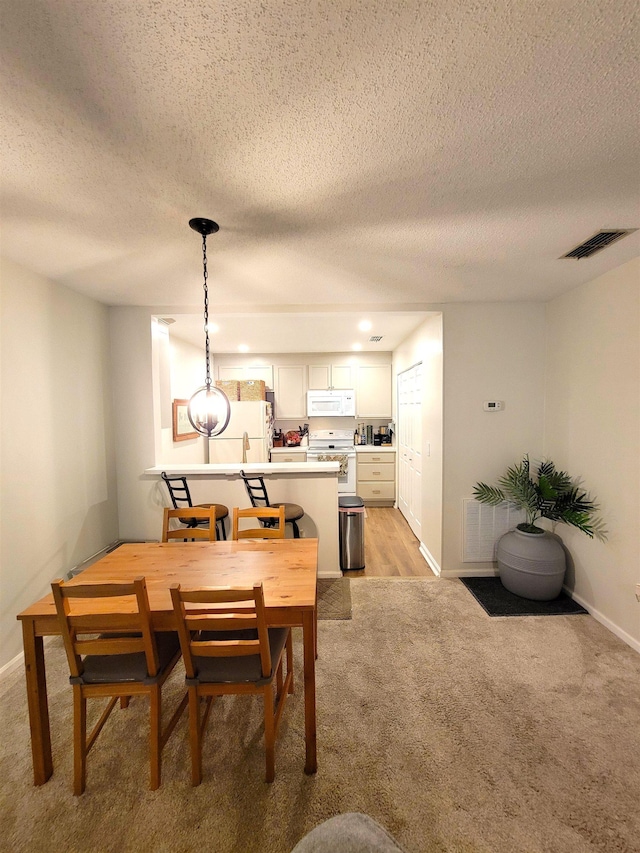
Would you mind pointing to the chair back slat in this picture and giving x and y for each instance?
(101, 611)
(191, 621)
(189, 532)
(224, 622)
(267, 516)
(256, 490)
(178, 490)
(106, 645)
(225, 648)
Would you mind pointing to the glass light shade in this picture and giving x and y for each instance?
(209, 411)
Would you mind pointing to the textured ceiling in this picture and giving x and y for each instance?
(390, 155)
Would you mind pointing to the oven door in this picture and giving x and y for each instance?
(347, 459)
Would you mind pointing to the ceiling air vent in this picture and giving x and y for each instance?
(599, 241)
(375, 339)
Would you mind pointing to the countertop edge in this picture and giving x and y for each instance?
(219, 469)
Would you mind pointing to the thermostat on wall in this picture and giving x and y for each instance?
(493, 405)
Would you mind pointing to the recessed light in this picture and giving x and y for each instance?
(364, 325)
(357, 347)
(243, 348)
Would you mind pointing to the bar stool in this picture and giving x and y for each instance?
(258, 496)
(181, 497)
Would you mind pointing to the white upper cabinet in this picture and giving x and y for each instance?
(239, 374)
(325, 376)
(373, 391)
(290, 391)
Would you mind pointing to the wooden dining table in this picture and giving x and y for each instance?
(286, 567)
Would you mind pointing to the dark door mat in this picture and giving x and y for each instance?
(334, 598)
(498, 601)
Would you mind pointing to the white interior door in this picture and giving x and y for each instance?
(410, 447)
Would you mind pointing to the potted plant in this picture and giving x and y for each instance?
(531, 561)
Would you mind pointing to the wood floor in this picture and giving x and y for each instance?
(391, 549)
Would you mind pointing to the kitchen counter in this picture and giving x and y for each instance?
(374, 448)
(232, 469)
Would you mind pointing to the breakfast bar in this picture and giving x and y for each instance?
(314, 486)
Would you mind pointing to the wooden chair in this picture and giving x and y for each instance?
(126, 658)
(257, 492)
(267, 514)
(206, 514)
(181, 497)
(228, 649)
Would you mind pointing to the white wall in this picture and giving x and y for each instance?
(181, 371)
(592, 430)
(425, 346)
(492, 351)
(58, 482)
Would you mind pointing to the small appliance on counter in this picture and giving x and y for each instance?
(385, 436)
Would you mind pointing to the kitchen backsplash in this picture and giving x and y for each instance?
(329, 423)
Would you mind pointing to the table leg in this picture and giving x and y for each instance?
(309, 642)
(37, 701)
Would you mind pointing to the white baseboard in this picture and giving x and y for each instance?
(430, 560)
(330, 574)
(18, 662)
(489, 572)
(608, 624)
(12, 665)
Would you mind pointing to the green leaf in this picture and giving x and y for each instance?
(488, 494)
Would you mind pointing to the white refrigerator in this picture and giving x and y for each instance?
(253, 418)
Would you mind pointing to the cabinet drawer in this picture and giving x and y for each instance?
(376, 491)
(383, 456)
(376, 471)
(288, 457)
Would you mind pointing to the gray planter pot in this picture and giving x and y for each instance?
(531, 565)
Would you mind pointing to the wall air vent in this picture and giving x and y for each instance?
(375, 339)
(599, 241)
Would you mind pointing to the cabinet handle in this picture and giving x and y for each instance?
(376, 472)
(376, 491)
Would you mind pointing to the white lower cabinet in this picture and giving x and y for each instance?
(284, 454)
(377, 477)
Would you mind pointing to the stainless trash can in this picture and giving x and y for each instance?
(351, 532)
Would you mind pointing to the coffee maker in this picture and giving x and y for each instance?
(386, 434)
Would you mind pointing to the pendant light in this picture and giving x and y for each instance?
(208, 409)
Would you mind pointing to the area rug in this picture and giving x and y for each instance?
(334, 598)
(498, 601)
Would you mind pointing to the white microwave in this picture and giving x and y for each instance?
(331, 404)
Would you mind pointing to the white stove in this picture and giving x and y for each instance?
(335, 445)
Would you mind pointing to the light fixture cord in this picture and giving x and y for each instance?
(206, 310)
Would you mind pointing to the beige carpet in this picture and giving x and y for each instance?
(456, 731)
